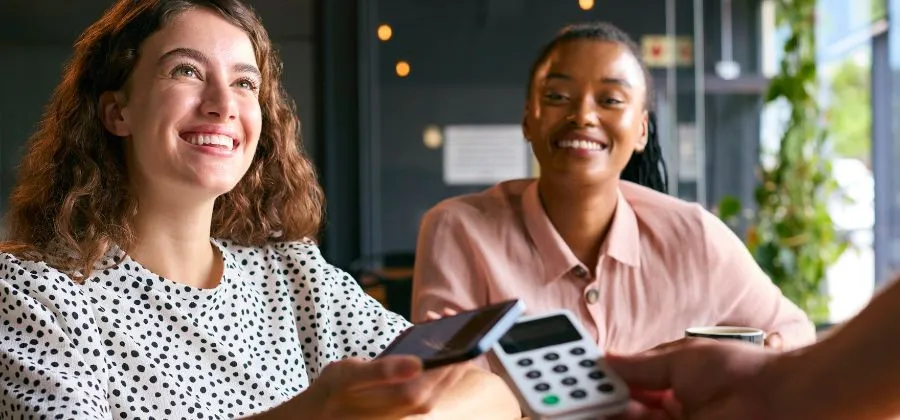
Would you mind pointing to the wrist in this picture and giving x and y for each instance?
(311, 403)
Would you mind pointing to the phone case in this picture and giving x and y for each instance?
(457, 338)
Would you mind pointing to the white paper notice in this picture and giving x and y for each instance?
(484, 154)
(687, 152)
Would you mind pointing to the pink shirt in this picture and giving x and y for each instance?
(666, 265)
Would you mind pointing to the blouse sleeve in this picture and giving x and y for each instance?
(50, 362)
(745, 293)
(336, 319)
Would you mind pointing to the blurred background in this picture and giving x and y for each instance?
(407, 102)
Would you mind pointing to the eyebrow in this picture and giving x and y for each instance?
(203, 59)
(606, 80)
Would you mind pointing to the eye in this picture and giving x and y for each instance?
(612, 101)
(185, 70)
(248, 84)
(554, 97)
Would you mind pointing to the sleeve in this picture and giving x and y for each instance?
(744, 293)
(446, 271)
(44, 372)
(336, 319)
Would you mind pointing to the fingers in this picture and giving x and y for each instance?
(416, 396)
(774, 341)
(648, 371)
(676, 343)
(432, 315)
(357, 374)
(638, 411)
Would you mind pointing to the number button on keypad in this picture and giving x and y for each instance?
(606, 388)
(596, 375)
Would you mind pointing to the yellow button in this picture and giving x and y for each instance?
(592, 296)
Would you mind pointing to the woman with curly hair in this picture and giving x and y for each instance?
(160, 261)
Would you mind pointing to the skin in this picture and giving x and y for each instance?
(594, 91)
(199, 76)
(851, 374)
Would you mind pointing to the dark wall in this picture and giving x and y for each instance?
(469, 62)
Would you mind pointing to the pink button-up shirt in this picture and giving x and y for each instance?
(666, 265)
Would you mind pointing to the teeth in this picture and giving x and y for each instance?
(211, 140)
(580, 144)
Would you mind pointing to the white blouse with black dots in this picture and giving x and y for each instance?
(129, 344)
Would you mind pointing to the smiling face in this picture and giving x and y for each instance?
(189, 114)
(586, 114)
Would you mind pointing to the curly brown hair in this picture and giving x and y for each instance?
(72, 200)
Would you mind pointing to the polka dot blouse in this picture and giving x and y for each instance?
(130, 344)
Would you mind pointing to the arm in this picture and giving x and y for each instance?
(852, 374)
(744, 294)
(43, 372)
(457, 389)
(446, 273)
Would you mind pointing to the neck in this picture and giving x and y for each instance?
(581, 215)
(173, 242)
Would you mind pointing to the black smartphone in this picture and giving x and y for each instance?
(457, 338)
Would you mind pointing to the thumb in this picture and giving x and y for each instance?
(357, 374)
(651, 370)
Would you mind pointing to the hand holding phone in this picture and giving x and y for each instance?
(457, 338)
(390, 387)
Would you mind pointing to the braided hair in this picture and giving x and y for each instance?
(647, 167)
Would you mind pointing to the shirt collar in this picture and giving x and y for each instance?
(622, 242)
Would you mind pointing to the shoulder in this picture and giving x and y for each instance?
(296, 267)
(280, 258)
(40, 290)
(495, 203)
(672, 219)
(35, 276)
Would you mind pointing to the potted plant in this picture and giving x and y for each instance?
(791, 234)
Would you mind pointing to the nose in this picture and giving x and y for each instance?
(219, 101)
(584, 113)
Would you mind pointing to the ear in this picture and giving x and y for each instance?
(645, 133)
(111, 107)
(526, 129)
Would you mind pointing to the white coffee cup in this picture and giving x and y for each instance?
(746, 334)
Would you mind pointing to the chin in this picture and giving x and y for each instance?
(213, 188)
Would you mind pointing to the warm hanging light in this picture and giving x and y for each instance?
(586, 4)
(385, 32)
(402, 68)
(432, 137)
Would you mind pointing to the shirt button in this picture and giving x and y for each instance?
(580, 272)
(592, 296)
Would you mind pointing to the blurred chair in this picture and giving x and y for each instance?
(388, 278)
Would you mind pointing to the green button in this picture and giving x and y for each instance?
(551, 400)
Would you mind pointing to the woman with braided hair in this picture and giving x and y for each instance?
(596, 232)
